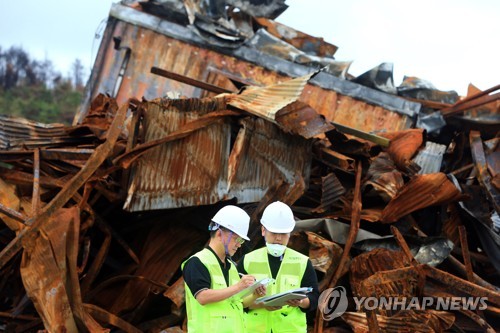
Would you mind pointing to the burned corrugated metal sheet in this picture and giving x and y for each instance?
(267, 101)
(302, 41)
(18, 133)
(50, 277)
(367, 264)
(262, 155)
(420, 192)
(404, 145)
(383, 177)
(332, 190)
(188, 172)
(379, 78)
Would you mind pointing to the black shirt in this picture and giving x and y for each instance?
(196, 274)
(308, 280)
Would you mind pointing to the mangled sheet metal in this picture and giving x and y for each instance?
(186, 172)
(17, 133)
(403, 146)
(263, 154)
(50, 279)
(383, 177)
(420, 192)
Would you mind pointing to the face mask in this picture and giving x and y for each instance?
(276, 250)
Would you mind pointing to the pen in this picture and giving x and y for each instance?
(241, 274)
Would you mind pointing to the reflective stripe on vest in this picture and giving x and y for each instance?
(225, 316)
(288, 318)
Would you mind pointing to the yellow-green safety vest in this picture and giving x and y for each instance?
(288, 319)
(223, 316)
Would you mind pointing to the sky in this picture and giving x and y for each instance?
(448, 43)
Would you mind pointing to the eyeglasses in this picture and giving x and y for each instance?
(238, 239)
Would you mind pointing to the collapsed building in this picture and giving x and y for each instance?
(193, 105)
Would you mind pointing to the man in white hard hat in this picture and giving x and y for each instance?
(289, 268)
(211, 277)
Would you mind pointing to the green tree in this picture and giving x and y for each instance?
(32, 89)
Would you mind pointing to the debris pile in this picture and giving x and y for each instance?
(96, 218)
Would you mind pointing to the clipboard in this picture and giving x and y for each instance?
(247, 291)
(281, 298)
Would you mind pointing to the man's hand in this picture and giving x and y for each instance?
(245, 282)
(302, 303)
(273, 308)
(260, 291)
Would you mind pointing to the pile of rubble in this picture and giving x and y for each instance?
(396, 193)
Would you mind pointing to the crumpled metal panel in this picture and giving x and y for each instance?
(188, 172)
(16, 133)
(404, 144)
(383, 176)
(420, 192)
(331, 191)
(302, 41)
(379, 77)
(50, 278)
(263, 154)
(267, 101)
(377, 260)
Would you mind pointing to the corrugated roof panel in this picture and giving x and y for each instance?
(265, 102)
(369, 118)
(21, 133)
(430, 158)
(265, 155)
(187, 172)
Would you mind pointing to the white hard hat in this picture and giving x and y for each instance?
(233, 218)
(278, 218)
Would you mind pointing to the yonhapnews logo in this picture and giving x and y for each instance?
(333, 303)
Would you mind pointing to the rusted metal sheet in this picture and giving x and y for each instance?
(420, 192)
(48, 272)
(378, 260)
(302, 41)
(100, 154)
(16, 133)
(267, 101)
(332, 190)
(299, 118)
(383, 177)
(357, 114)
(187, 172)
(482, 169)
(10, 201)
(261, 155)
(334, 159)
(404, 145)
